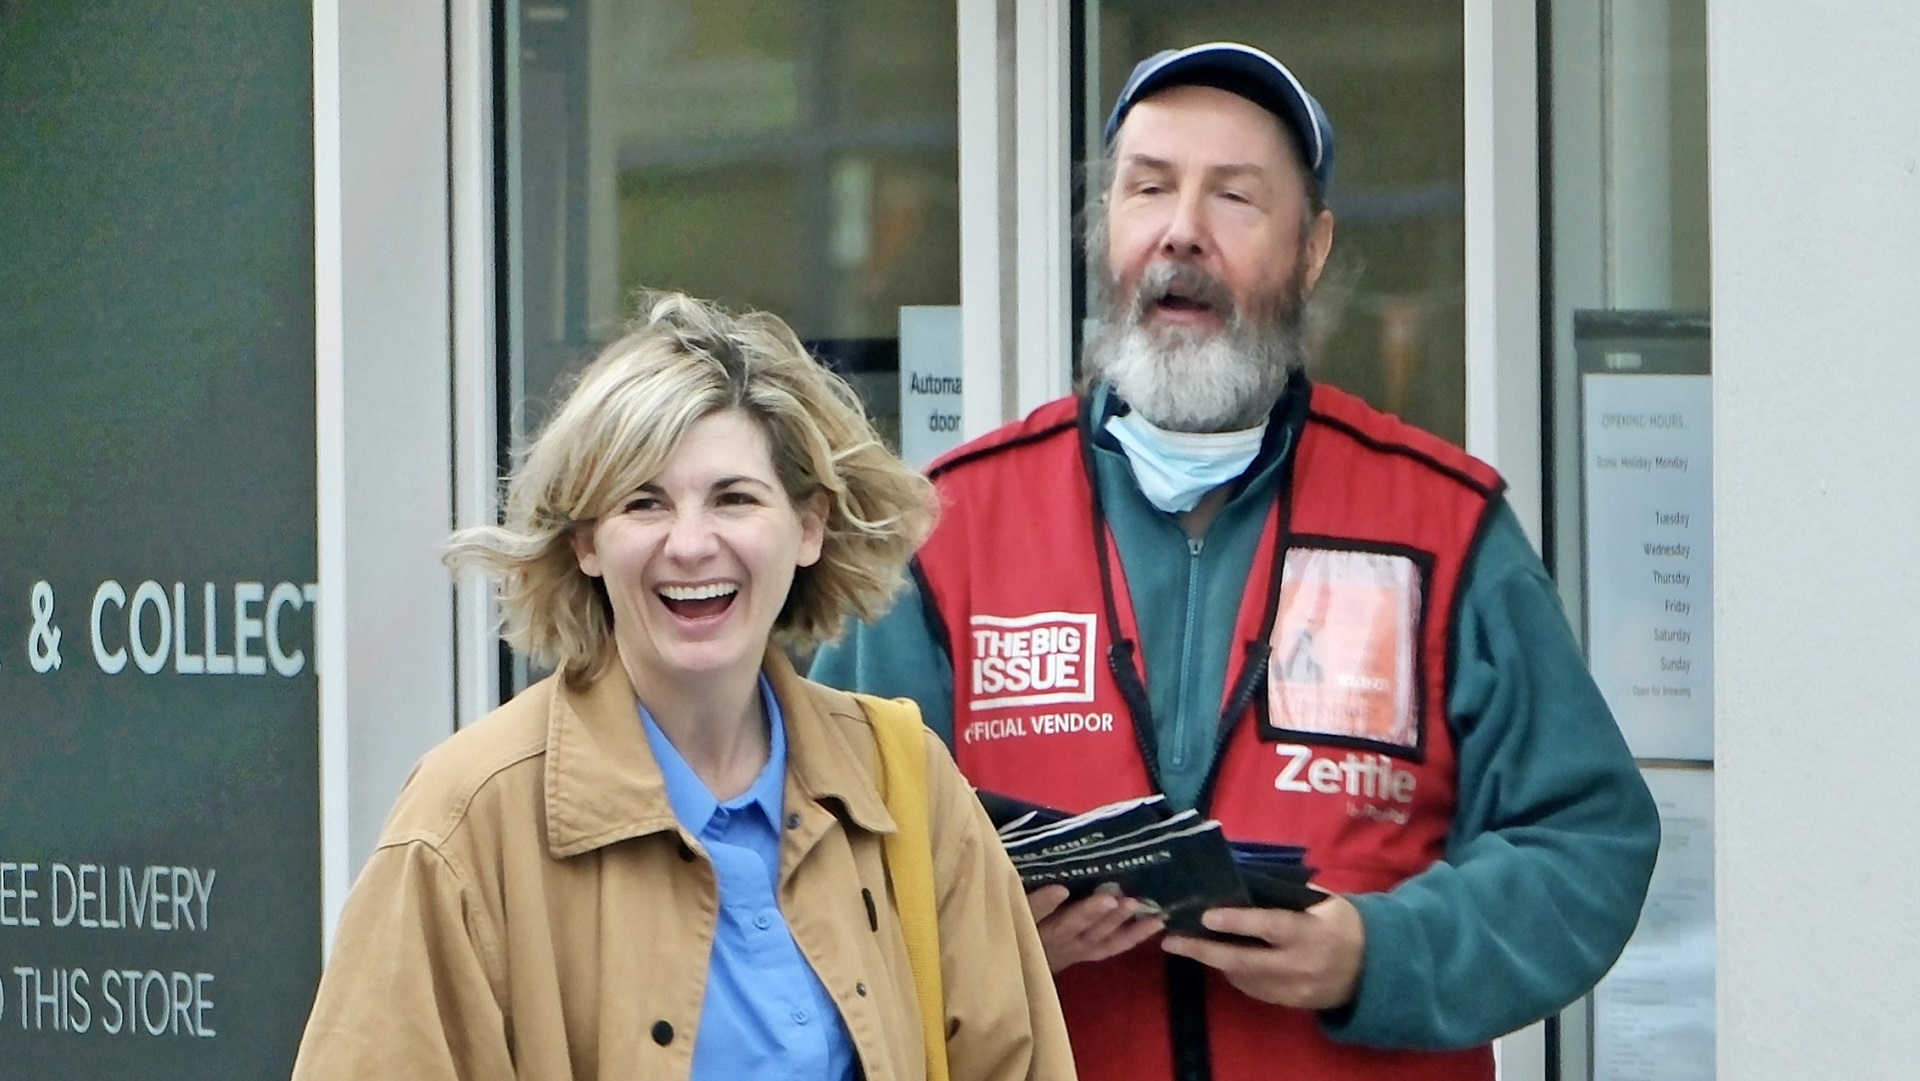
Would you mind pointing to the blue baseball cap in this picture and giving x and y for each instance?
(1237, 69)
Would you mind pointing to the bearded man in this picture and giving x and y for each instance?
(1207, 577)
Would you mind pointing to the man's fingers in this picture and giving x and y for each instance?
(1095, 917)
(1045, 900)
(1309, 960)
(1130, 934)
(1222, 956)
(1091, 929)
(1267, 925)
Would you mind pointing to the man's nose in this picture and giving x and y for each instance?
(1186, 234)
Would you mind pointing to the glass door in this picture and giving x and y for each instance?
(1630, 522)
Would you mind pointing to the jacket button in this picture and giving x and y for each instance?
(662, 1033)
(686, 855)
(793, 821)
(860, 989)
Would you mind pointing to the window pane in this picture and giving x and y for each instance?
(795, 157)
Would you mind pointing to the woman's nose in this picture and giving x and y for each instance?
(690, 537)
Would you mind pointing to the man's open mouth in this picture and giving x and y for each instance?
(1180, 302)
(1182, 290)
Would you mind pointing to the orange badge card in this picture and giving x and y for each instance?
(1343, 646)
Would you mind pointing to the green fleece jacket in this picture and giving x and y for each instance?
(1554, 837)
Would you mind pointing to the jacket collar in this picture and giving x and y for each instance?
(604, 785)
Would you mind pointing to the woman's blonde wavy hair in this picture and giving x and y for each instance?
(680, 362)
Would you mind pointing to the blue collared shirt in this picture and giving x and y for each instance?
(766, 1014)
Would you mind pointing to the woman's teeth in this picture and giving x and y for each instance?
(699, 593)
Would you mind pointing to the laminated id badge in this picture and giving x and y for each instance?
(1344, 648)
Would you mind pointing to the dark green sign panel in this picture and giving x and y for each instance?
(159, 824)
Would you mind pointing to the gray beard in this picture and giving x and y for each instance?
(1186, 379)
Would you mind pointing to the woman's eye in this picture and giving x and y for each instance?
(737, 499)
(642, 503)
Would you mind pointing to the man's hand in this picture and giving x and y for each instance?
(1311, 959)
(1093, 929)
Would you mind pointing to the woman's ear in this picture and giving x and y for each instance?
(813, 528)
(581, 538)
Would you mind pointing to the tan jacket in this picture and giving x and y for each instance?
(535, 912)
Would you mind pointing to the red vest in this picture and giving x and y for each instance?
(1333, 718)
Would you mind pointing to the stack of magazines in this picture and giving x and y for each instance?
(1177, 864)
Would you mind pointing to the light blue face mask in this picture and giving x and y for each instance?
(1175, 469)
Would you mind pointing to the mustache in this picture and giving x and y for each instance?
(1163, 279)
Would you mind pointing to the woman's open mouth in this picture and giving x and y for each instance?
(698, 602)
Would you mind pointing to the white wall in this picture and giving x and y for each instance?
(1815, 164)
(385, 617)
(1503, 248)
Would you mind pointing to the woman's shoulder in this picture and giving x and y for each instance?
(862, 714)
(494, 756)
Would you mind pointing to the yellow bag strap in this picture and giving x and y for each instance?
(901, 737)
